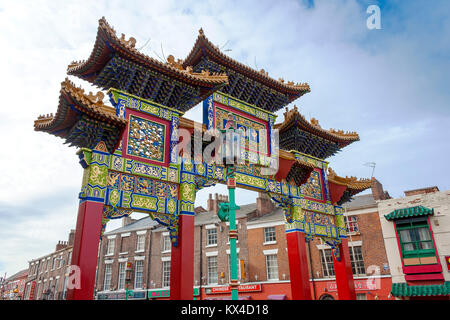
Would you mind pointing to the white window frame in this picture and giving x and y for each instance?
(213, 277)
(111, 246)
(107, 277)
(122, 275)
(211, 234)
(327, 266)
(166, 243)
(270, 241)
(140, 243)
(138, 265)
(351, 220)
(166, 274)
(56, 288)
(269, 271)
(354, 264)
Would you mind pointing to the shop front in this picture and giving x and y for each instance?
(365, 288)
(164, 294)
(250, 291)
(121, 295)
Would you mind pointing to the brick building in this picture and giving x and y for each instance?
(48, 275)
(132, 243)
(416, 232)
(263, 266)
(371, 271)
(13, 287)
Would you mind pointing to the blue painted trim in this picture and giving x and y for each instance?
(186, 213)
(92, 199)
(295, 230)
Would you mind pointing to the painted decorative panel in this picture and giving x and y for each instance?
(313, 187)
(254, 124)
(141, 185)
(250, 129)
(146, 139)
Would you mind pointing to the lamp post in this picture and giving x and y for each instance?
(227, 211)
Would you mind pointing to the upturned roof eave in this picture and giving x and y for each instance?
(107, 43)
(204, 47)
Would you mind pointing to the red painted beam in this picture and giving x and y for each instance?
(284, 166)
(85, 251)
(298, 266)
(336, 191)
(182, 261)
(344, 274)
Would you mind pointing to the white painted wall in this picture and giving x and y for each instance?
(440, 225)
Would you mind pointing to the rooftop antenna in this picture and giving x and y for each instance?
(372, 165)
(145, 44)
(158, 56)
(162, 51)
(226, 50)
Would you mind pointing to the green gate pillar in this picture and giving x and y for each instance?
(231, 184)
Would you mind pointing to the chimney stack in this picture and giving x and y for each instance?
(71, 237)
(213, 204)
(378, 192)
(127, 220)
(61, 245)
(264, 204)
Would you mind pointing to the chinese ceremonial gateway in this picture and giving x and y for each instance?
(133, 162)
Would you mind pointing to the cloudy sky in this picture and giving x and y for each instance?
(390, 85)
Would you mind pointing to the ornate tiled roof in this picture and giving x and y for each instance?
(294, 118)
(352, 186)
(80, 118)
(115, 62)
(206, 55)
(352, 183)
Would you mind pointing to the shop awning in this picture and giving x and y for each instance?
(229, 298)
(416, 211)
(276, 297)
(405, 290)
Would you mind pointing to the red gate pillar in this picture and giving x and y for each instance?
(344, 274)
(182, 260)
(298, 266)
(85, 251)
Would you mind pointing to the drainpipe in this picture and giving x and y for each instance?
(312, 268)
(201, 255)
(100, 254)
(149, 251)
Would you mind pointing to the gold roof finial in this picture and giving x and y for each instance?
(98, 97)
(130, 43)
(315, 122)
(176, 64)
(200, 32)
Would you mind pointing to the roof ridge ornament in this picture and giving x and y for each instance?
(175, 63)
(130, 43)
(315, 122)
(98, 97)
